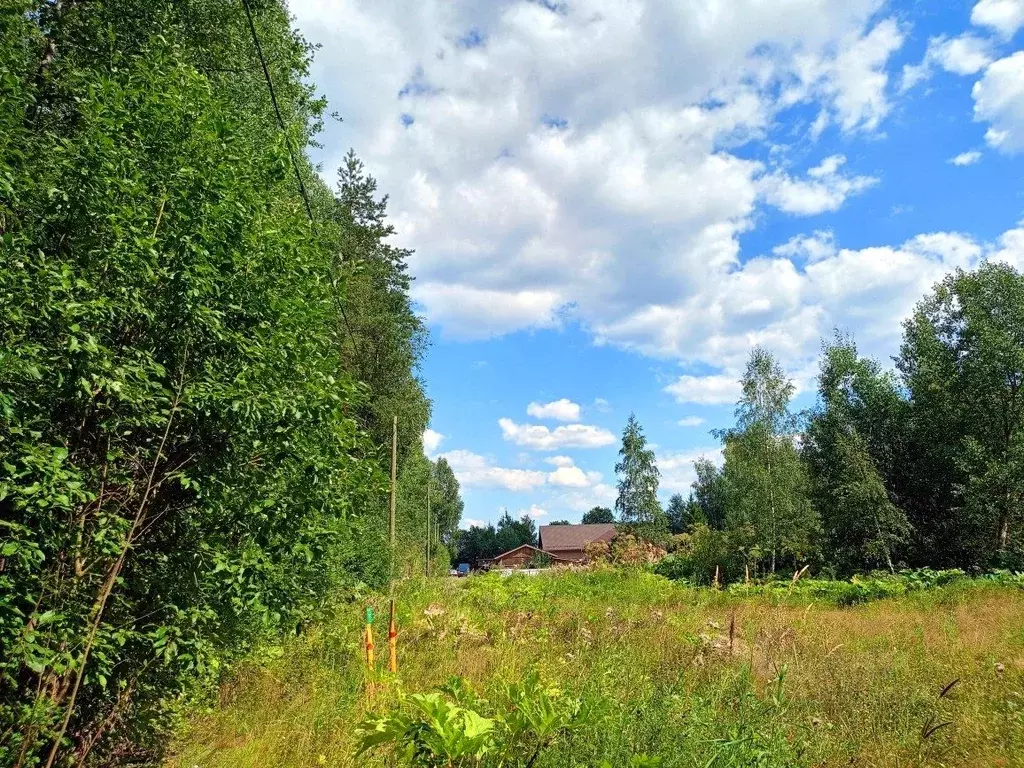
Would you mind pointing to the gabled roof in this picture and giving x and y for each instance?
(555, 538)
(515, 549)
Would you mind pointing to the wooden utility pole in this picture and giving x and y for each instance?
(428, 525)
(394, 475)
(392, 641)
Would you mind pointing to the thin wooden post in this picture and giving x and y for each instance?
(368, 637)
(394, 476)
(428, 525)
(716, 577)
(392, 641)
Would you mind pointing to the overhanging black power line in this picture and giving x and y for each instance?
(295, 163)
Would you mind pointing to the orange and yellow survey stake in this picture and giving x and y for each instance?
(368, 637)
(393, 640)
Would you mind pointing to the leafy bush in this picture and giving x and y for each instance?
(447, 728)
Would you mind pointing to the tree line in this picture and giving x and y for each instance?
(203, 347)
(919, 466)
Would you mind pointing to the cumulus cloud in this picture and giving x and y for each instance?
(677, 473)
(475, 471)
(966, 158)
(431, 441)
(1003, 16)
(470, 522)
(690, 421)
(559, 410)
(999, 101)
(533, 511)
(1010, 247)
(540, 438)
(592, 162)
(789, 304)
(715, 389)
(825, 189)
(600, 495)
(963, 55)
(560, 461)
(814, 247)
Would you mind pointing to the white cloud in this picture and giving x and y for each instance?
(690, 421)
(475, 471)
(569, 477)
(560, 410)
(560, 461)
(715, 389)
(470, 522)
(1010, 248)
(999, 101)
(677, 473)
(820, 245)
(1004, 16)
(602, 405)
(533, 511)
(591, 164)
(540, 438)
(966, 158)
(963, 55)
(600, 495)
(825, 189)
(431, 441)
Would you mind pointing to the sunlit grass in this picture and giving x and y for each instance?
(797, 683)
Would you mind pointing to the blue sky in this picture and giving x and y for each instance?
(611, 202)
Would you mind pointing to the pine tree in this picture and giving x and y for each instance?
(637, 502)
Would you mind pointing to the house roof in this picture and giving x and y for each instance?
(515, 549)
(555, 538)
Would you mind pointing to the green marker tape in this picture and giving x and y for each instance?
(369, 615)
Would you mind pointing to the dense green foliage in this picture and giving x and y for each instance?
(478, 544)
(598, 515)
(922, 468)
(197, 383)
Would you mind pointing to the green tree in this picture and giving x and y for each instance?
(446, 503)
(195, 387)
(768, 506)
(677, 513)
(862, 526)
(598, 515)
(637, 502)
(559, 522)
(708, 494)
(962, 362)
(476, 544)
(512, 533)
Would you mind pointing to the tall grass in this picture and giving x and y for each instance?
(798, 681)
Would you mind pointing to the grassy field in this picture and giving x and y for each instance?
(799, 681)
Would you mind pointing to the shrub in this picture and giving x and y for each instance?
(448, 727)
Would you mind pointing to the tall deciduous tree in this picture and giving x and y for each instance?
(862, 527)
(446, 503)
(708, 494)
(196, 380)
(963, 363)
(637, 470)
(768, 488)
